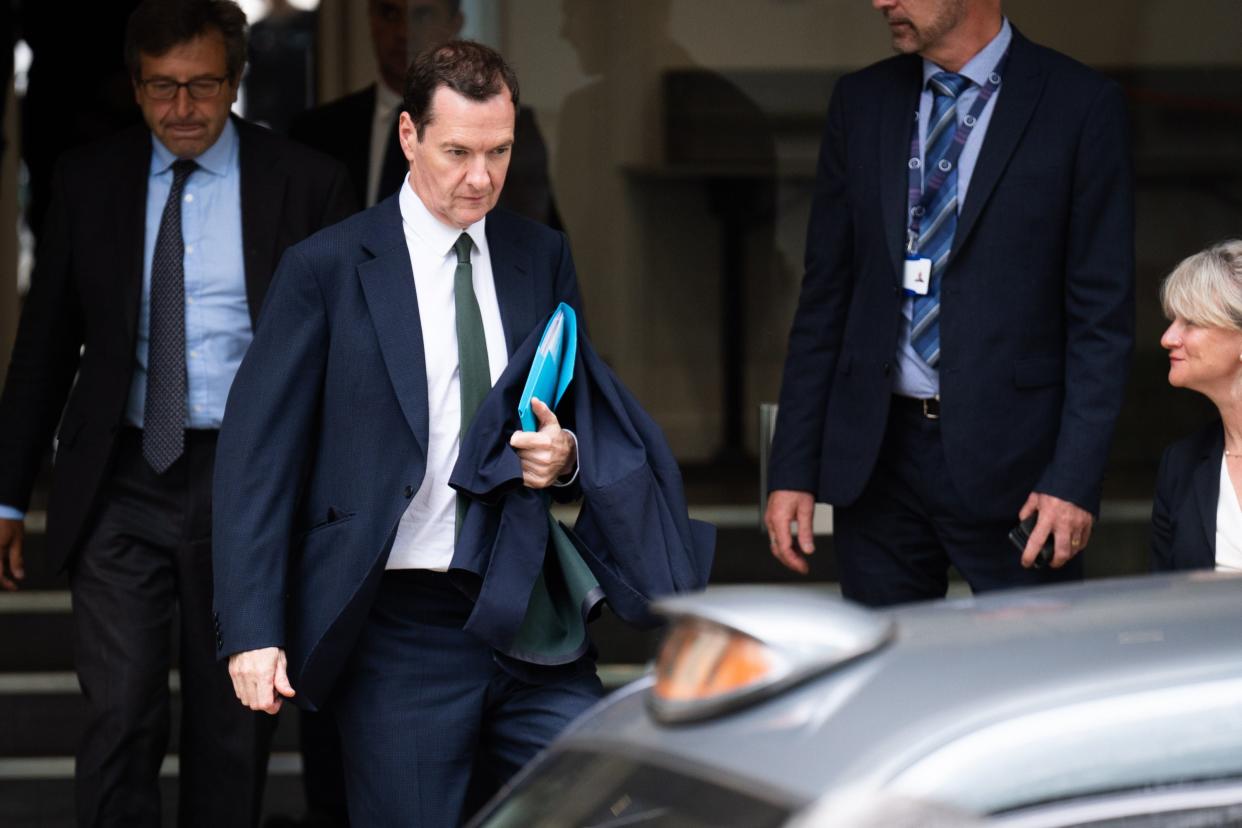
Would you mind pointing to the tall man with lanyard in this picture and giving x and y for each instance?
(959, 352)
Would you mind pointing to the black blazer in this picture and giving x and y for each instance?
(1037, 316)
(342, 130)
(1183, 513)
(325, 434)
(81, 315)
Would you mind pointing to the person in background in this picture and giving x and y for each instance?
(959, 353)
(157, 251)
(1196, 520)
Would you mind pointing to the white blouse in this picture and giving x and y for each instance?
(1228, 524)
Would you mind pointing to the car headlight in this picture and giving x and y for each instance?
(734, 646)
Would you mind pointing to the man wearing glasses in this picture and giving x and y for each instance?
(158, 249)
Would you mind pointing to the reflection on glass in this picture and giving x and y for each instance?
(598, 790)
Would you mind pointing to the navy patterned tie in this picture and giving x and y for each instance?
(940, 219)
(163, 418)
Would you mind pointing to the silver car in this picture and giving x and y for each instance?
(1105, 703)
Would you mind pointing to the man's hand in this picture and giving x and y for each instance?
(1069, 525)
(11, 568)
(259, 678)
(785, 506)
(546, 454)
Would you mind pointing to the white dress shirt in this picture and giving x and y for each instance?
(386, 104)
(1228, 524)
(425, 533)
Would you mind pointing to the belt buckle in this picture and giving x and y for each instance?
(931, 408)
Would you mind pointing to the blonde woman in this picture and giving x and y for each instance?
(1197, 513)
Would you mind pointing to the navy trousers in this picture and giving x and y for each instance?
(897, 541)
(430, 723)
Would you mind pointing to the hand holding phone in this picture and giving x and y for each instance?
(1020, 534)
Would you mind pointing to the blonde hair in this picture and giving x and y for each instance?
(1206, 288)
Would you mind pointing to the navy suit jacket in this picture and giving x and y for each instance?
(1036, 318)
(324, 438)
(633, 530)
(1183, 513)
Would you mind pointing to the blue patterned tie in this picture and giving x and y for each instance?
(940, 219)
(163, 417)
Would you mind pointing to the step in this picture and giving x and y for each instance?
(39, 794)
(36, 634)
(42, 714)
(36, 630)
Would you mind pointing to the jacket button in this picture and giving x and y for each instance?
(409, 491)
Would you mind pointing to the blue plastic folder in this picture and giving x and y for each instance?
(552, 369)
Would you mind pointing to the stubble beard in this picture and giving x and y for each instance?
(912, 39)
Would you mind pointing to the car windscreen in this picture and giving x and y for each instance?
(576, 789)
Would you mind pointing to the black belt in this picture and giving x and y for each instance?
(928, 408)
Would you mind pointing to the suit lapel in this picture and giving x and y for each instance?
(262, 196)
(134, 170)
(898, 114)
(1019, 93)
(1207, 490)
(511, 271)
(388, 285)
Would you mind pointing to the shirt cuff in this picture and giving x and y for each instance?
(9, 513)
(561, 482)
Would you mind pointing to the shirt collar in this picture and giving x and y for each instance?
(981, 65)
(437, 235)
(218, 159)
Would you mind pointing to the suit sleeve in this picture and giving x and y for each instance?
(815, 338)
(45, 355)
(1162, 518)
(1099, 302)
(264, 443)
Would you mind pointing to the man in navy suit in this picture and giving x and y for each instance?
(336, 522)
(961, 341)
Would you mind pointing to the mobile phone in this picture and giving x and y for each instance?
(1021, 533)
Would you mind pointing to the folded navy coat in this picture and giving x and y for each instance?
(633, 531)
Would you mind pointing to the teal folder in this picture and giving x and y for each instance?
(566, 595)
(552, 369)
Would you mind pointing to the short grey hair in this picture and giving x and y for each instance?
(1206, 288)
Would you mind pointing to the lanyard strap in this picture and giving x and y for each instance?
(922, 192)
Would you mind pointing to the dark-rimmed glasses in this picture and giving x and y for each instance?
(165, 89)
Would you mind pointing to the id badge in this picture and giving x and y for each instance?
(916, 277)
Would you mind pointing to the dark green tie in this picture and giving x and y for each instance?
(473, 373)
